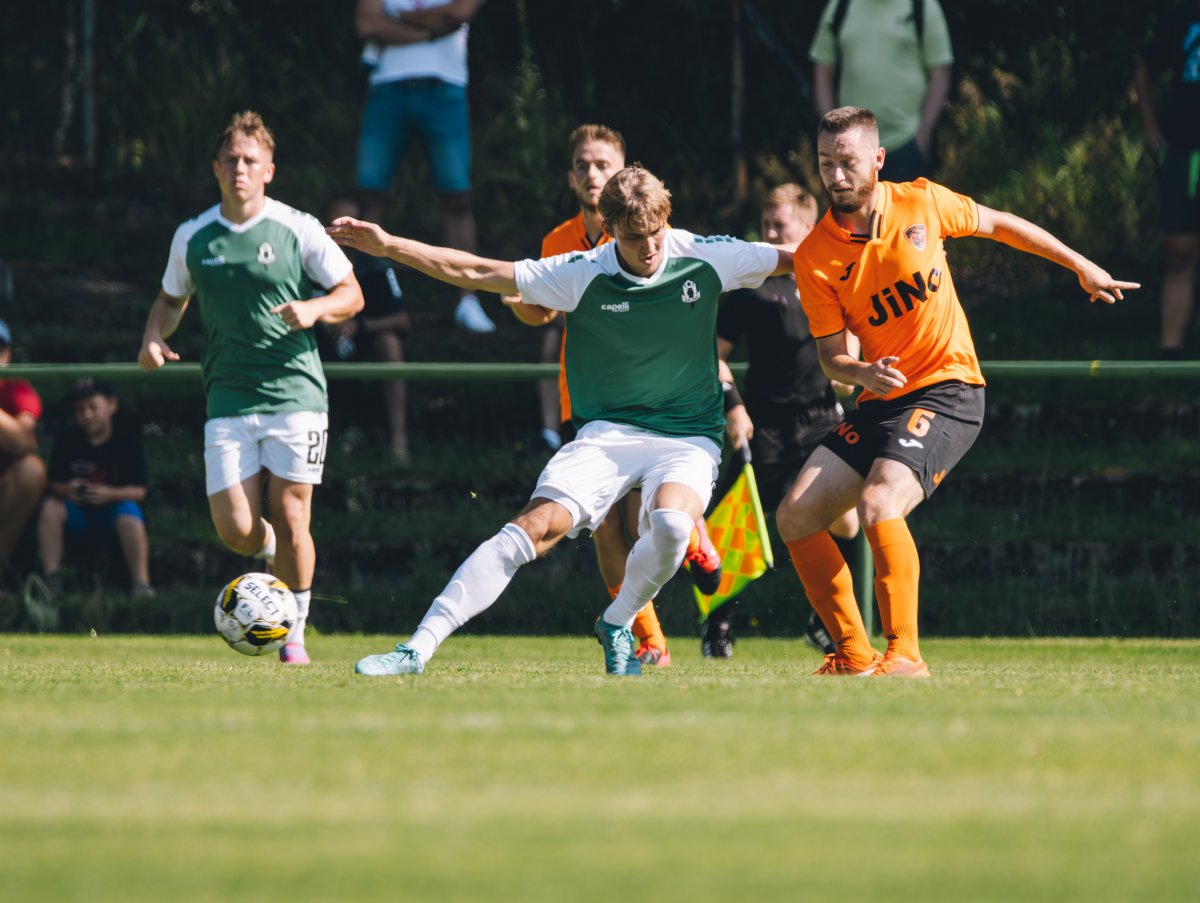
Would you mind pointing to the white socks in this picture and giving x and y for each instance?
(476, 584)
(653, 561)
(267, 552)
(296, 634)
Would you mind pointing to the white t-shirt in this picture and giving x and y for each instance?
(445, 58)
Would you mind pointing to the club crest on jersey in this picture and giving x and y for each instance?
(691, 292)
(266, 254)
(916, 236)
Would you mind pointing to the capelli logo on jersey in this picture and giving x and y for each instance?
(218, 261)
(916, 236)
(901, 297)
(266, 254)
(691, 293)
(622, 308)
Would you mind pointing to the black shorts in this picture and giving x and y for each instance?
(929, 429)
(1179, 191)
(782, 443)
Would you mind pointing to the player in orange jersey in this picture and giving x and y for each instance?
(875, 266)
(597, 153)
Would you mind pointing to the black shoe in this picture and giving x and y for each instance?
(717, 641)
(817, 636)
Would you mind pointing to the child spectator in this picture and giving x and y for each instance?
(97, 483)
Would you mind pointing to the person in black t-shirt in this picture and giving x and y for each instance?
(1172, 131)
(97, 482)
(377, 333)
(790, 404)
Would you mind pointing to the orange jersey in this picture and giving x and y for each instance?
(563, 239)
(892, 288)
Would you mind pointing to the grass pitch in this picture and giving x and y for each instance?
(170, 768)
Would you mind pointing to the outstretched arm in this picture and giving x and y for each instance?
(445, 264)
(1023, 235)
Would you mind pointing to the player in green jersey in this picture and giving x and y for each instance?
(642, 365)
(252, 264)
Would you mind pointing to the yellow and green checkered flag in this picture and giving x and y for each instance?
(738, 531)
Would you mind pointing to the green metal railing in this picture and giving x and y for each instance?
(517, 371)
(64, 373)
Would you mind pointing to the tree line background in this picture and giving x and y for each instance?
(1042, 118)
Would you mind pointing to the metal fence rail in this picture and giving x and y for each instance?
(519, 371)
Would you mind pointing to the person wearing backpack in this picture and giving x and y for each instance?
(893, 57)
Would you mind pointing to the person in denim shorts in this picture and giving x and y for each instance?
(417, 52)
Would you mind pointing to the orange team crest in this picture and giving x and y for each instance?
(916, 236)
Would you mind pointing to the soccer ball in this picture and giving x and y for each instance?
(254, 613)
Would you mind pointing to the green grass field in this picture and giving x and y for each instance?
(170, 768)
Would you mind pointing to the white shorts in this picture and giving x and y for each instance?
(291, 445)
(606, 460)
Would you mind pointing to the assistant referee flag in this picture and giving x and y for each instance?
(739, 533)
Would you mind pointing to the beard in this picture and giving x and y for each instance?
(849, 202)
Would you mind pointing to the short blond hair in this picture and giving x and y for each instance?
(594, 131)
(249, 124)
(634, 200)
(791, 194)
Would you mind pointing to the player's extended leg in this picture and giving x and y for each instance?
(891, 492)
(654, 559)
(824, 490)
(290, 505)
(476, 585)
(612, 542)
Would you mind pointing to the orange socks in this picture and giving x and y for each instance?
(647, 629)
(830, 588)
(645, 625)
(897, 574)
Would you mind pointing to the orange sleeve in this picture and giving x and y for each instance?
(817, 297)
(958, 213)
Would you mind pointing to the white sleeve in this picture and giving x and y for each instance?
(177, 280)
(740, 264)
(324, 261)
(555, 282)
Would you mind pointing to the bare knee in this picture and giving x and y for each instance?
(28, 476)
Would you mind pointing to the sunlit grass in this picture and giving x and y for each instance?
(155, 768)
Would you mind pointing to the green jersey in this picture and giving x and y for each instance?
(643, 351)
(252, 362)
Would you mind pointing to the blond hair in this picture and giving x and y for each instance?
(635, 201)
(793, 195)
(593, 131)
(249, 124)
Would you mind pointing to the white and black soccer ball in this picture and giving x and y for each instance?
(254, 613)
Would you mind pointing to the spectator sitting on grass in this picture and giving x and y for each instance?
(97, 482)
